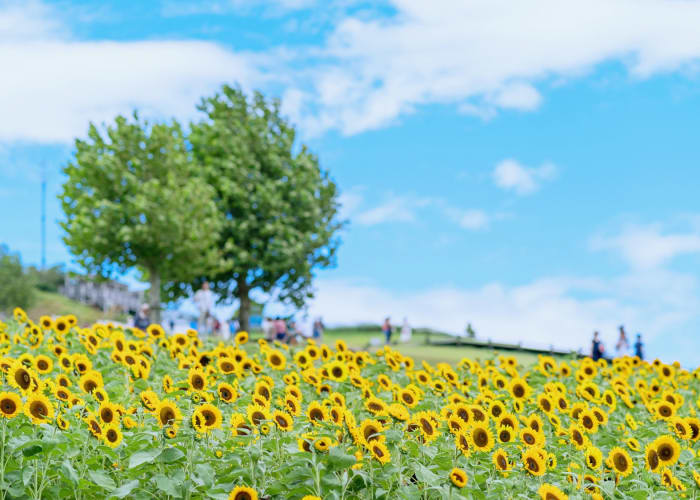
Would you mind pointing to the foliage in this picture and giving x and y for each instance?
(16, 288)
(47, 280)
(278, 206)
(132, 199)
(107, 412)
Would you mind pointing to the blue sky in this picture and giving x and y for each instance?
(531, 169)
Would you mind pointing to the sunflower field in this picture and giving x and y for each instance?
(112, 412)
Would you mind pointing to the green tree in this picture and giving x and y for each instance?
(133, 199)
(47, 280)
(16, 287)
(279, 208)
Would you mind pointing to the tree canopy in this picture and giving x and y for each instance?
(16, 287)
(278, 207)
(133, 199)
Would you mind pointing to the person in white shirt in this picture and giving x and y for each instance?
(622, 347)
(405, 331)
(204, 299)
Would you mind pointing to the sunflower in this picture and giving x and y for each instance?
(376, 406)
(107, 413)
(10, 404)
(282, 420)
(276, 359)
(337, 370)
(43, 364)
(38, 408)
(257, 414)
(545, 403)
(458, 477)
(226, 392)
(197, 379)
(21, 377)
(241, 337)
(519, 389)
(594, 457)
(665, 410)
(529, 437)
(316, 413)
(620, 461)
(588, 421)
(243, 493)
(322, 444)
(694, 426)
(226, 366)
(370, 431)
(168, 413)
(380, 452)
(462, 443)
(292, 405)
(667, 477)
(239, 425)
(509, 420)
(533, 461)
(206, 417)
(505, 434)
(651, 458)
(112, 436)
(62, 423)
(149, 400)
(551, 492)
(399, 412)
(680, 427)
(667, 449)
(456, 424)
(427, 424)
(500, 461)
(481, 437)
(408, 397)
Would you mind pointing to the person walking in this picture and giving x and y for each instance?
(141, 320)
(622, 347)
(386, 329)
(318, 328)
(405, 331)
(597, 348)
(280, 329)
(639, 347)
(204, 299)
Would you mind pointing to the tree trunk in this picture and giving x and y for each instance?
(154, 297)
(244, 305)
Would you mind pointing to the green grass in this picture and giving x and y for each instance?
(419, 351)
(55, 304)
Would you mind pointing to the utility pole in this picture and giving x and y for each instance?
(43, 216)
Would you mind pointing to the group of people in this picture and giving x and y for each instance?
(289, 331)
(622, 347)
(388, 330)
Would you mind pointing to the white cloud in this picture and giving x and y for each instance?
(648, 247)
(53, 85)
(393, 209)
(471, 219)
(481, 56)
(521, 96)
(511, 175)
(350, 201)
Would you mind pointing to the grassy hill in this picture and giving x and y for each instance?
(55, 304)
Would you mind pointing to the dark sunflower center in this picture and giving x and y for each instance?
(653, 460)
(38, 409)
(620, 462)
(480, 438)
(665, 452)
(8, 406)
